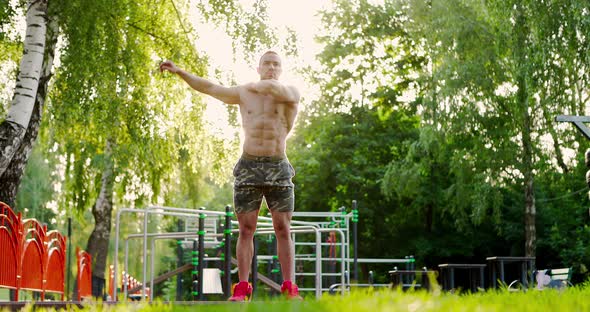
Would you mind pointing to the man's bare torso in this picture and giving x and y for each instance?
(266, 123)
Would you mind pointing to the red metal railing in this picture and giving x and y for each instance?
(34, 257)
(31, 258)
(56, 263)
(84, 274)
(10, 243)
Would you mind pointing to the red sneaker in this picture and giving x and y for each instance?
(291, 290)
(242, 291)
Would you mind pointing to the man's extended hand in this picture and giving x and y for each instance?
(169, 66)
(251, 87)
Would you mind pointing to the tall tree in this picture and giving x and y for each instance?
(14, 127)
(484, 85)
(108, 114)
(440, 176)
(491, 75)
(11, 178)
(523, 105)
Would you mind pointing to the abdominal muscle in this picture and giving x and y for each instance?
(264, 137)
(265, 126)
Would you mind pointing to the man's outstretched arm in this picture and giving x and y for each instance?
(227, 95)
(276, 89)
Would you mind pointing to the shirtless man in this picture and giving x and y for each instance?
(268, 109)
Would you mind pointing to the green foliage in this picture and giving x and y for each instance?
(424, 113)
(248, 29)
(563, 220)
(108, 89)
(367, 59)
(343, 156)
(491, 89)
(6, 12)
(110, 106)
(36, 189)
(475, 84)
(10, 53)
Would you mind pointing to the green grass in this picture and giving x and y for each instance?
(571, 299)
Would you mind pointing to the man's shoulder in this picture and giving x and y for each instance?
(293, 89)
(294, 94)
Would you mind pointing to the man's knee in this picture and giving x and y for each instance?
(247, 229)
(282, 229)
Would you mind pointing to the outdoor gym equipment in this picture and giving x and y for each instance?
(341, 225)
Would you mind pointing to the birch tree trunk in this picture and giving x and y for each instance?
(13, 174)
(98, 242)
(522, 98)
(13, 129)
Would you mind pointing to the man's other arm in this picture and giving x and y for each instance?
(277, 90)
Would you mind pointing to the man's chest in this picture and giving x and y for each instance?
(256, 105)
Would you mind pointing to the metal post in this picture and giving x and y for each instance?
(125, 269)
(219, 251)
(413, 267)
(318, 264)
(425, 279)
(293, 262)
(269, 263)
(179, 262)
(201, 254)
(227, 253)
(254, 265)
(355, 239)
(502, 271)
(69, 268)
(274, 263)
(145, 256)
(195, 271)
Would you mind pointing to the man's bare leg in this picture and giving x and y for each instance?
(281, 222)
(245, 246)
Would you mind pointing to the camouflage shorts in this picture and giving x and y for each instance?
(269, 177)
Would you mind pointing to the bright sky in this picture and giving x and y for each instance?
(300, 16)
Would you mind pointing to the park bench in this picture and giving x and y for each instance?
(553, 278)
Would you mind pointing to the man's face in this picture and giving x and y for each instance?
(270, 67)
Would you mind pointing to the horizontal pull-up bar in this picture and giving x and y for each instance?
(577, 121)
